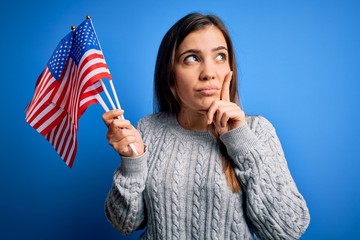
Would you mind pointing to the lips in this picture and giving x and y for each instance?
(208, 91)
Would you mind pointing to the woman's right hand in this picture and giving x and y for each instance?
(121, 134)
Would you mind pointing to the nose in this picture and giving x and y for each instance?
(207, 71)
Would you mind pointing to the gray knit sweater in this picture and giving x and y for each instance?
(178, 190)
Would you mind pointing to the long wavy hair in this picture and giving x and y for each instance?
(164, 99)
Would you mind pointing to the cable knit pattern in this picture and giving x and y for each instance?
(156, 197)
(179, 191)
(127, 189)
(175, 195)
(198, 186)
(215, 227)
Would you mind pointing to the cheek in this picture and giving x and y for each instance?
(183, 82)
(222, 74)
(224, 71)
(180, 88)
(183, 90)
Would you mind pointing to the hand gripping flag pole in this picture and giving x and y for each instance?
(106, 109)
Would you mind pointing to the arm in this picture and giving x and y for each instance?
(124, 205)
(273, 202)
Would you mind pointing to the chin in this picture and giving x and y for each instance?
(202, 111)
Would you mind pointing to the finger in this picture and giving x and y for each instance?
(119, 128)
(123, 146)
(230, 114)
(222, 115)
(224, 112)
(118, 133)
(216, 110)
(211, 111)
(120, 138)
(110, 115)
(225, 90)
(112, 131)
(122, 124)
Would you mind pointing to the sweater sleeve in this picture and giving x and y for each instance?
(124, 205)
(273, 202)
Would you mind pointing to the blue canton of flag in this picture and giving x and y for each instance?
(84, 39)
(58, 60)
(75, 44)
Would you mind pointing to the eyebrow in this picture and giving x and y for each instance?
(196, 51)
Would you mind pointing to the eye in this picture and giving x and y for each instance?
(221, 57)
(191, 58)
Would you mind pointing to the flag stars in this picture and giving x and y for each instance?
(75, 44)
(57, 62)
(84, 39)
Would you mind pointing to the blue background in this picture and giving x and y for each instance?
(299, 67)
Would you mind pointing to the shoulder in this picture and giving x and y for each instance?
(262, 128)
(258, 123)
(152, 126)
(153, 120)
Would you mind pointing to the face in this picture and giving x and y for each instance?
(200, 68)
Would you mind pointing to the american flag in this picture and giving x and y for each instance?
(68, 85)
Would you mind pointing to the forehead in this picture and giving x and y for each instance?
(208, 37)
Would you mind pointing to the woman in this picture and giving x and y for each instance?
(204, 170)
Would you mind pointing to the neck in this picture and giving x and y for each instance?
(196, 121)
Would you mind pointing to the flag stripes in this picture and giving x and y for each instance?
(63, 139)
(60, 99)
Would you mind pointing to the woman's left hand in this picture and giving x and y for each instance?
(224, 114)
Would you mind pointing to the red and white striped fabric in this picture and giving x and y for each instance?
(66, 88)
